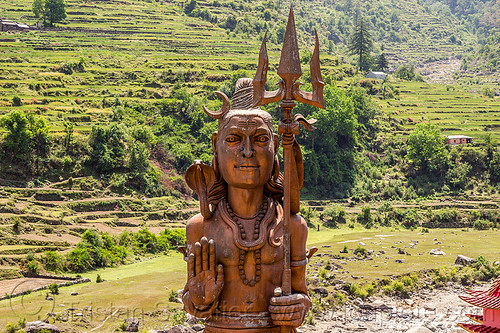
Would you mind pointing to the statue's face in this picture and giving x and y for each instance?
(245, 151)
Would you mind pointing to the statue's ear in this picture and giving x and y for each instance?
(276, 143)
(214, 141)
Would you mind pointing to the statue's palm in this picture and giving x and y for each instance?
(205, 287)
(205, 281)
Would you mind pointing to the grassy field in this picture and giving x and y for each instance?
(142, 287)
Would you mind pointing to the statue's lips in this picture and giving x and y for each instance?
(246, 167)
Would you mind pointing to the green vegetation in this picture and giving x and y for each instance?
(103, 250)
(50, 11)
(361, 44)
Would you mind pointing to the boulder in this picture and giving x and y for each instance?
(132, 324)
(321, 291)
(463, 260)
(198, 327)
(437, 252)
(40, 326)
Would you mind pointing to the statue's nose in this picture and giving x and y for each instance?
(248, 149)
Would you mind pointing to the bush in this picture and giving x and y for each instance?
(54, 288)
(178, 317)
(365, 217)
(483, 225)
(53, 261)
(333, 215)
(33, 267)
(407, 72)
(16, 101)
(360, 251)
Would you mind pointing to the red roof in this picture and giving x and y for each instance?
(489, 299)
(479, 328)
(494, 290)
(483, 301)
(476, 318)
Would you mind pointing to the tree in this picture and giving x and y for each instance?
(38, 8)
(426, 147)
(361, 43)
(382, 63)
(17, 142)
(51, 11)
(329, 151)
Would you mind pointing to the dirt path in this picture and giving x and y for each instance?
(15, 286)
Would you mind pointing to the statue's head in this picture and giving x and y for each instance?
(245, 146)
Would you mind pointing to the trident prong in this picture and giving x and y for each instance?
(289, 70)
(261, 96)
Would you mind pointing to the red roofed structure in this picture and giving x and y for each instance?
(489, 300)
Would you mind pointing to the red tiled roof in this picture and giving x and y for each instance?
(479, 328)
(476, 318)
(494, 290)
(483, 301)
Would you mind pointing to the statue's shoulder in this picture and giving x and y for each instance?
(194, 227)
(297, 223)
(298, 232)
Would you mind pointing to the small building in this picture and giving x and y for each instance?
(376, 75)
(489, 300)
(458, 139)
(6, 25)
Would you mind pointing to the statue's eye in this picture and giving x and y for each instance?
(262, 138)
(232, 139)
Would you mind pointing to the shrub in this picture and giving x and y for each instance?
(344, 250)
(365, 217)
(178, 317)
(54, 288)
(360, 251)
(483, 225)
(16, 101)
(53, 261)
(333, 215)
(407, 72)
(33, 267)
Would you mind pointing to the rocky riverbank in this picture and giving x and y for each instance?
(434, 311)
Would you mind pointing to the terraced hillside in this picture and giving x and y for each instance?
(453, 108)
(55, 217)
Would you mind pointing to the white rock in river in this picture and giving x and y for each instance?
(419, 329)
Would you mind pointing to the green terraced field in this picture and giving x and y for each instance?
(455, 109)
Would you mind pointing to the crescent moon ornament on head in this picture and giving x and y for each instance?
(226, 105)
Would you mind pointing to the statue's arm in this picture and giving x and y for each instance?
(291, 310)
(298, 251)
(194, 234)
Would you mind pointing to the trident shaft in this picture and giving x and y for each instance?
(289, 91)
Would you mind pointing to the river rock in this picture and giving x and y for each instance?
(463, 260)
(437, 252)
(132, 324)
(178, 329)
(321, 291)
(39, 326)
(419, 329)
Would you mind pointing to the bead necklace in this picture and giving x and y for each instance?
(243, 253)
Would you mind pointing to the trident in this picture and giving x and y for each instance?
(289, 91)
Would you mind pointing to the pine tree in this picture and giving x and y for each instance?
(361, 43)
(382, 63)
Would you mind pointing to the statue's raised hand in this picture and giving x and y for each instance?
(205, 281)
